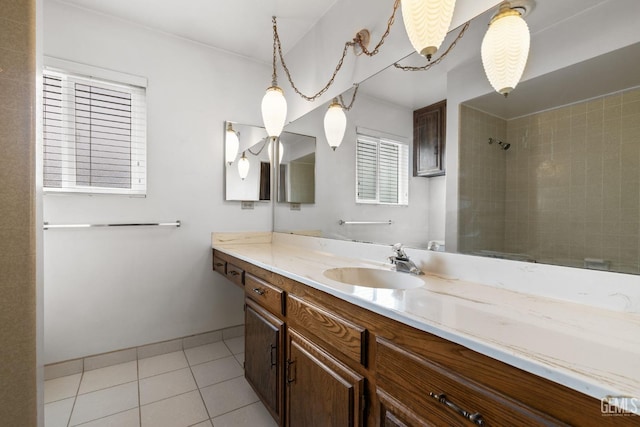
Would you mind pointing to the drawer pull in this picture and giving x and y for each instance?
(475, 418)
(219, 264)
(258, 291)
(233, 273)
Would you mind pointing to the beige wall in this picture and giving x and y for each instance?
(573, 183)
(567, 189)
(17, 210)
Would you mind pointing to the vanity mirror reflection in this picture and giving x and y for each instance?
(561, 36)
(248, 158)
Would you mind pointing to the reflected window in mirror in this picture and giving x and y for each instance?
(382, 172)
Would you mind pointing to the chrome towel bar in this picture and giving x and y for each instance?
(343, 222)
(177, 223)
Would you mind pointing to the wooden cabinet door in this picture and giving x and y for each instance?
(263, 358)
(321, 391)
(429, 140)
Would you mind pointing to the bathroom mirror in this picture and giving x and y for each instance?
(441, 209)
(253, 152)
(296, 180)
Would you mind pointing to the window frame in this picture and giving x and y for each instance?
(377, 138)
(74, 73)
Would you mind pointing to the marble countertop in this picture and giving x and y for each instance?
(591, 350)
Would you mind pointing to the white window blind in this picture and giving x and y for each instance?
(94, 137)
(382, 171)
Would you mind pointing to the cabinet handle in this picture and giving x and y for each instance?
(219, 264)
(289, 379)
(233, 273)
(258, 291)
(475, 418)
(273, 361)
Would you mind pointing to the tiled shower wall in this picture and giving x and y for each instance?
(17, 211)
(482, 182)
(572, 183)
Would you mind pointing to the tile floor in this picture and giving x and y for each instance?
(200, 387)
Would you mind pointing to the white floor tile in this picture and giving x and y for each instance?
(61, 388)
(178, 411)
(240, 358)
(228, 396)
(216, 371)
(130, 418)
(236, 345)
(110, 376)
(254, 415)
(204, 424)
(160, 364)
(57, 414)
(206, 353)
(98, 404)
(166, 385)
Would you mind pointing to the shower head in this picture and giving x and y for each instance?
(505, 146)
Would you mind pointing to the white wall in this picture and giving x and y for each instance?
(107, 289)
(335, 182)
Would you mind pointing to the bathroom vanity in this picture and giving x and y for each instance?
(321, 352)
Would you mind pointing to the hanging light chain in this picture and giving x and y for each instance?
(274, 75)
(357, 41)
(353, 99)
(278, 45)
(440, 58)
(390, 23)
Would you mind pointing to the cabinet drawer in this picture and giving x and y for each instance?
(341, 334)
(265, 294)
(436, 393)
(235, 274)
(219, 265)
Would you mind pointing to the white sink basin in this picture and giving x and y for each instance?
(373, 278)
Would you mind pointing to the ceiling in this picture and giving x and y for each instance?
(239, 26)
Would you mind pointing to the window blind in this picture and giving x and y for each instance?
(382, 168)
(94, 136)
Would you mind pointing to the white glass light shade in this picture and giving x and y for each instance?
(243, 167)
(231, 145)
(505, 49)
(274, 111)
(335, 123)
(427, 23)
(280, 151)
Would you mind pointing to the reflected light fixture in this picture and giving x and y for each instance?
(335, 123)
(505, 48)
(232, 144)
(280, 150)
(274, 105)
(243, 166)
(427, 23)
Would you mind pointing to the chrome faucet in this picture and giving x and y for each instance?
(402, 261)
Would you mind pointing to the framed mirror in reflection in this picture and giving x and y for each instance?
(297, 177)
(565, 127)
(249, 154)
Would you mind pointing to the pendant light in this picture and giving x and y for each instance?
(335, 123)
(505, 49)
(427, 23)
(274, 105)
(274, 110)
(243, 166)
(232, 144)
